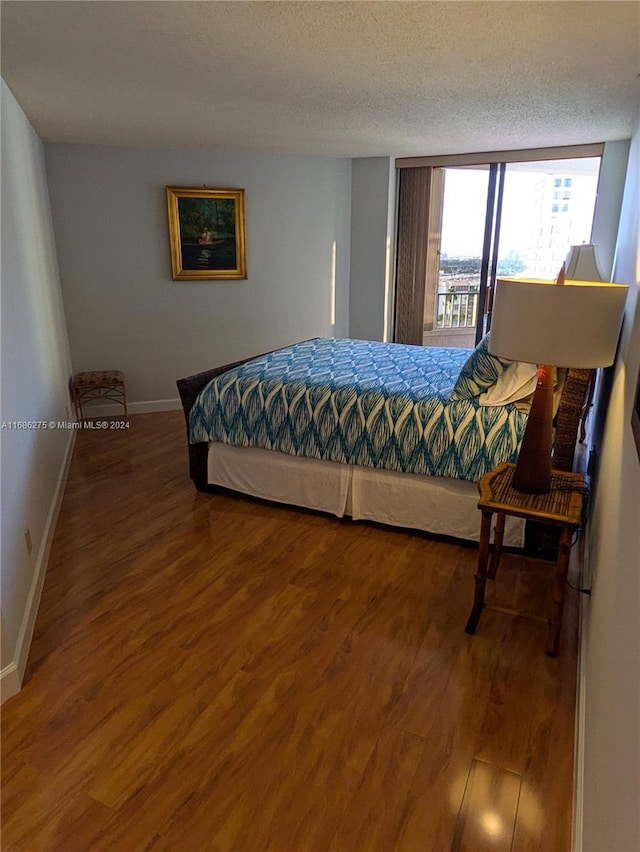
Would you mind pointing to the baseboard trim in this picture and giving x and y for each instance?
(578, 782)
(581, 689)
(146, 407)
(10, 683)
(13, 673)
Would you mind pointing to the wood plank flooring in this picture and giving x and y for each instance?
(209, 672)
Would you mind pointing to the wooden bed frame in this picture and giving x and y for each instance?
(570, 414)
(189, 388)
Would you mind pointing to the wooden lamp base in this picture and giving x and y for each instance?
(533, 468)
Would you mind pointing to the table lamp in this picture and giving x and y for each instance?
(552, 324)
(581, 263)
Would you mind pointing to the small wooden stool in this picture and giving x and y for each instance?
(104, 384)
(561, 506)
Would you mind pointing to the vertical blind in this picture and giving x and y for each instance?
(413, 214)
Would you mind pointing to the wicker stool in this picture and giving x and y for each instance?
(104, 384)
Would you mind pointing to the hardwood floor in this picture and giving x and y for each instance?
(213, 673)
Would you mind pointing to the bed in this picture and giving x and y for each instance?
(390, 433)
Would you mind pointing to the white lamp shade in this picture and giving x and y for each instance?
(575, 324)
(581, 264)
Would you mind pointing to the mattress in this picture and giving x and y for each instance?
(361, 403)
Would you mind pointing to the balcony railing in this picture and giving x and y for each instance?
(457, 310)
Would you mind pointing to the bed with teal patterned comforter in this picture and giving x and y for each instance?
(359, 402)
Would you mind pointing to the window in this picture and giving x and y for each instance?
(501, 215)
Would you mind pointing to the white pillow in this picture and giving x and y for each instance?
(516, 382)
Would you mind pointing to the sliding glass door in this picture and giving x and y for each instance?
(514, 219)
(548, 207)
(455, 251)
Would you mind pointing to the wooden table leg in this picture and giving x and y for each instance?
(481, 573)
(557, 592)
(498, 535)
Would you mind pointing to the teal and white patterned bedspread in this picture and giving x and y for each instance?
(359, 402)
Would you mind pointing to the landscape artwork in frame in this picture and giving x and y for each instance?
(207, 233)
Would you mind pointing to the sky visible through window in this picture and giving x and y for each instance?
(537, 229)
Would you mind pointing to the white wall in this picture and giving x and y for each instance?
(35, 376)
(611, 793)
(123, 309)
(613, 168)
(373, 202)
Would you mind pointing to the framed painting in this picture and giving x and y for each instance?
(206, 233)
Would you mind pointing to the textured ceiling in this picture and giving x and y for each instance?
(322, 77)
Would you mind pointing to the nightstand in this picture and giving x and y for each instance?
(561, 506)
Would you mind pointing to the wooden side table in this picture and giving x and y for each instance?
(101, 384)
(561, 506)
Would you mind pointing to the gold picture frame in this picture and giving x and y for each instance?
(206, 233)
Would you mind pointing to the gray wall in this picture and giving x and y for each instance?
(611, 664)
(35, 376)
(613, 170)
(123, 309)
(372, 248)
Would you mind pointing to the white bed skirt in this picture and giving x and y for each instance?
(433, 504)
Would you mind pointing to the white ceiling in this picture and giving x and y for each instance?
(321, 77)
